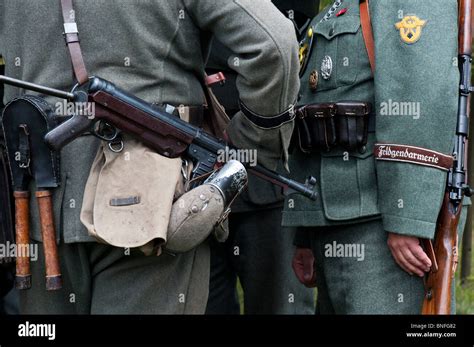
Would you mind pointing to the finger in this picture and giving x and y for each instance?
(413, 261)
(310, 282)
(403, 262)
(399, 259)
(420, 254)
(295, 264)
(299, 275)
(407, 265)
(298, 270)
(308, 267)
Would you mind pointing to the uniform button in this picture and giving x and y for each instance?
(363, 150)
(331, 32)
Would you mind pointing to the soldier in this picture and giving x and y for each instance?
(155, 50)
(257, 249)
(390, 89)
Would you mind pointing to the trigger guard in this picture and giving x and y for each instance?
(96, 132)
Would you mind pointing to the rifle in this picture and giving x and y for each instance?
(163, 132)
(444, 252)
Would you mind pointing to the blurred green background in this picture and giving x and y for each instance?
(465, 294)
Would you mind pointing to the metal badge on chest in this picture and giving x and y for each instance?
(327, 64)
(326, 67)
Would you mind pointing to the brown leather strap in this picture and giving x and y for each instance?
(429, 250)
(367, 32)
(214, 79)
(71, 35)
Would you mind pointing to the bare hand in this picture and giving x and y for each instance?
(303, 266)
(408, 254)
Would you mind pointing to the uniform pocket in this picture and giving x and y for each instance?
(349, 184)
(338, 52)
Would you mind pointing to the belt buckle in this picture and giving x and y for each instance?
(70, 28)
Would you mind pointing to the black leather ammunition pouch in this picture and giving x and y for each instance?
(325, 126)
(316, 127)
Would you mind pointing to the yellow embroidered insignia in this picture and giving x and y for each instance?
(313, 80)
(303, 53)
(410, 28)
(305, 49)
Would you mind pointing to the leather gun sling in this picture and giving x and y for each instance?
(71, 35)
(367, 32)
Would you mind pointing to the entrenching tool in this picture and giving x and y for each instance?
(26, 120)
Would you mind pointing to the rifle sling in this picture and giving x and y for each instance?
(71, 35)
(367, 32)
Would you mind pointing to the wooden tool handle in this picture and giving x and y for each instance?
(22, 230)
(53, 271)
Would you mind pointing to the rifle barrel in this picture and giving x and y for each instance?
(36, 88)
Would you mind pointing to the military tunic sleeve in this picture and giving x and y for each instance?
(266, 60)
(416, 88)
